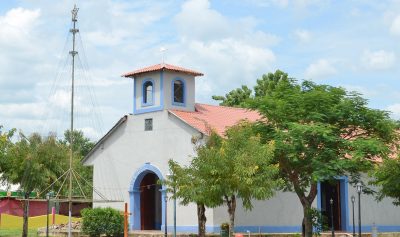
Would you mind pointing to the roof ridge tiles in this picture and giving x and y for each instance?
(162, 66)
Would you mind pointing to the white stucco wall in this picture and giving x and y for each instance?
(130, 147)
(281, 211)
(383, 214)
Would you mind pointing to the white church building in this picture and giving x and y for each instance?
(130, 159)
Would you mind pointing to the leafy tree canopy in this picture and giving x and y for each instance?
(235, 98)
(81, 144)
(320, 132)
(265, 85)
(387, 177)
(34, 162)
(228, 168)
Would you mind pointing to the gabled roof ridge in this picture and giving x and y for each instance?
(162, 66)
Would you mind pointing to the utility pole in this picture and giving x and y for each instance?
(73, 53)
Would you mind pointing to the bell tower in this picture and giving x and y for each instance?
(163, 86)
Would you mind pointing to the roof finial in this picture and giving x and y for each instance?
(162, 50)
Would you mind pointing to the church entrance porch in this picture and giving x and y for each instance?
(146, 195)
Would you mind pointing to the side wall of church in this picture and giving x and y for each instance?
(382, 214)
(281, 213)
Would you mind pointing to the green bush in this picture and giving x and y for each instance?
(99, 221)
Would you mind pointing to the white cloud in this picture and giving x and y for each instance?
(302, 35)
(198, 21)
(395, 109)
(378, 60)
(121, 21)
(17, 24)
(395, 26)
(91, 133)
(366, 92)
(320, 70)
(234, 51)
(22, 110)
(286, 3)
(268, 3)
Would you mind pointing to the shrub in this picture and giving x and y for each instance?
(99, 221)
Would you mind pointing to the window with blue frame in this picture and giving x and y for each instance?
(179, 91)
(148, 92)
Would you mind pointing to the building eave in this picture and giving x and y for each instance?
(105, 137)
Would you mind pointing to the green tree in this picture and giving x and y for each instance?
(191, 182)
(387, 178)
(81, 146)
(34, 163)
(243, 163)
(265, 85)
(320, 132)
(270, 81)
(5, 145)
(191, 187)
(235, 98)
(226, 169)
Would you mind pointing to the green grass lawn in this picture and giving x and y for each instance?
(17, 232)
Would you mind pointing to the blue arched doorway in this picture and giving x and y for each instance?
(146, 197)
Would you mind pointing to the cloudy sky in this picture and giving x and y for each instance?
(354, 44)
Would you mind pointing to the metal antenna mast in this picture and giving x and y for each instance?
(73, 53)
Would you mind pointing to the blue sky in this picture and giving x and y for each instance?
(353, 44)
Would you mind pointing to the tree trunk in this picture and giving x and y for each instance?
(231, 210)
(307, 221)
(306, 201)
(201, 218)
(25, 215)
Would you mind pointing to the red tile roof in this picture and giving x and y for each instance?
(162, 66)
(217, 118)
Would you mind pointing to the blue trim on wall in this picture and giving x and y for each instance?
(144, 92)
(267, 229)
(150, 109)
(173, 92)
(162, 90)
(319, 196)
(344, 201)
(381, 228)
(243, 229)
(134, 95)
(134, 195)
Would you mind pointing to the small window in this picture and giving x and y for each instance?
(148, 93)
(148, 124)
(179, 91)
